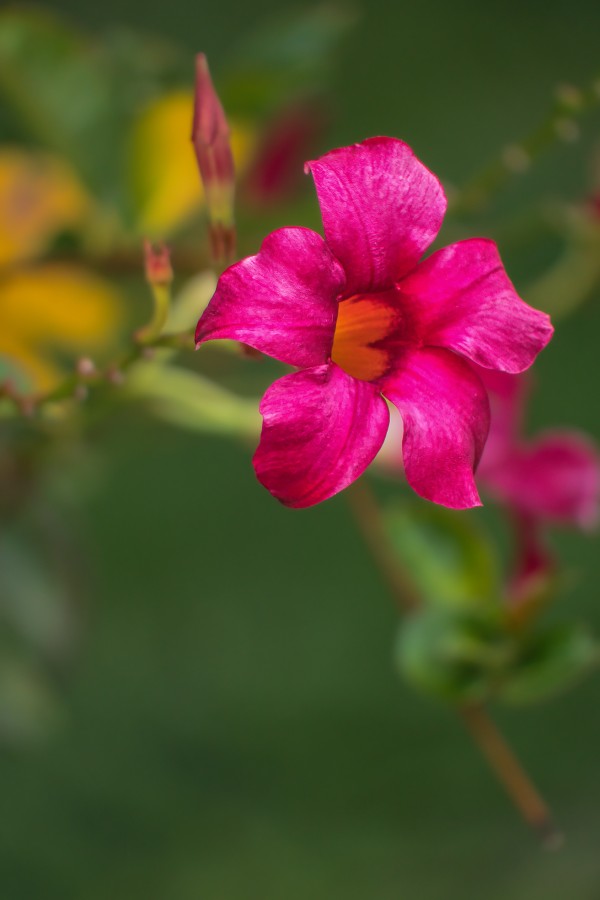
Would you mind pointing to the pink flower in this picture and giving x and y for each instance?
(361, 319)
(552, 479)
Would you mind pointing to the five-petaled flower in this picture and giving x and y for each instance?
(362, 319)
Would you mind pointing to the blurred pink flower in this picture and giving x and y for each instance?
(276, 170)
(360, 318)
(553, 478)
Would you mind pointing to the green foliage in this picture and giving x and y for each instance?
(188, 400)
(32, 599)
(290, 54)
(450, 560)
(550, 661)
(462, 657)
(466, 644)
(76, 111)
(453, 655)
(36, 631)
(84, 111)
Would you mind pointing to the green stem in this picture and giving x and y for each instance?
(561, 123)
(161, 295)
(68, 387)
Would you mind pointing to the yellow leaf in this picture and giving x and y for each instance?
(39, 197)
(164, 175)
(52, 315)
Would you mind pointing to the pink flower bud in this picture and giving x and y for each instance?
(157, 263)
(534, 568)
(289, 138)
(210, 136)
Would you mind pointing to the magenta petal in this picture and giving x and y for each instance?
(446, 418)
(321, 430)
(462, 299)
(555, 478)
(507, 394)
(381, 209)
(283, 301)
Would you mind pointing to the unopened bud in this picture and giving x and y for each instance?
(115, 376)
(569, 97)
(210, 136)
(85, 367)
(157, 262)
(159, 275)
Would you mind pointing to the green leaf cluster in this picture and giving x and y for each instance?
(465, 645)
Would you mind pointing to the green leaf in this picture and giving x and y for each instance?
(454, 656)
(572, 279)
(78, 96)
(59, 85)
(550, 662)
(30, 707)
(35, 605)
(450, 559)
(188, 400)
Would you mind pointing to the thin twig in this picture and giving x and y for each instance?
(560, 124)
(511, 775)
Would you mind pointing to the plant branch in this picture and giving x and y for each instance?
(561, 124)
(501, 759)
(112, 373)
(511, 775)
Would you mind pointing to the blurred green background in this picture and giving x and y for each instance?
(233, 727)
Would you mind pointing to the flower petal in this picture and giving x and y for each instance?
(445, 411)
(381, 209)
(321, 430)
(463, 299)
(283, 301)
(508, 395)
(555, 478)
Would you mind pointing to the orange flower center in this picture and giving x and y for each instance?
(363, 323)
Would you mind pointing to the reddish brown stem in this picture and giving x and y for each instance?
(511, 775)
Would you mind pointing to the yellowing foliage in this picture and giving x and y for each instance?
(164, 172)
(52, 313)
(39, 197)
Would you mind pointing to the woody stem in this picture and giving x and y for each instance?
(511, 775)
